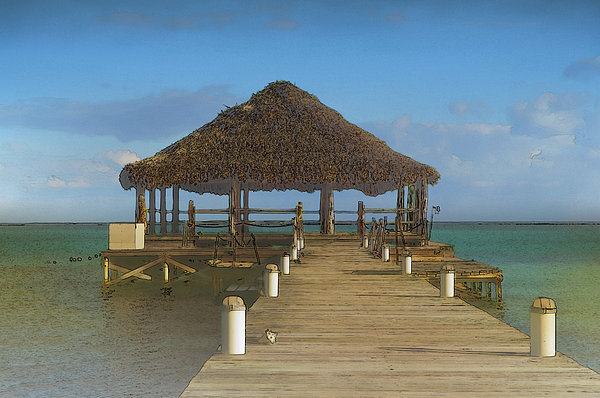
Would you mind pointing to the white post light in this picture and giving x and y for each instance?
(542, 327)
(285, 263)
(271, 280)
(233, 326)
(406, 263)
(447, 281)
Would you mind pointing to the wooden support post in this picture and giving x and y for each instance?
(360, 223)
(152, 210)
(326, 210)
(138, 192)
(499, 289)
(246, 205)
(163, 210)
(175, 212)
(411, 204)
(106, 270)
(488, 290)
(424, 200)
(234, 206)
(400, 206)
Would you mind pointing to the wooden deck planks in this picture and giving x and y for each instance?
(347, 334)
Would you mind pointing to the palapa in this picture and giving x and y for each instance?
(282, 138)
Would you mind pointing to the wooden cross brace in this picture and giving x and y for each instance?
(139, 272)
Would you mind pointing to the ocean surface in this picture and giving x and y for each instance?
(560, 261)
(63, 335)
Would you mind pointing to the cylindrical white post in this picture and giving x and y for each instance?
(294, 253)
(106, 270)
(406, 263)
(271, 280)
(385, 253)
(166, 272)
(542, 327)
(365, 241)
(285, 263)
(233, 326)
(301, 243)
(447, 281)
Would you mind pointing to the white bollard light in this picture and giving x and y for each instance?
(285, 263)
(271, 280)
(300, 243)
(542, 327)
(385, 253)
(166, 272)
(294, 253)
(447, 281)
(233, 326)
(406, 263)
(365, 242)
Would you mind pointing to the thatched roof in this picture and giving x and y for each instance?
(282, 138)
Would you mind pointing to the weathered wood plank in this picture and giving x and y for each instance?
(348, 334)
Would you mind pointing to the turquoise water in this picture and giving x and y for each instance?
(557, 261)
(61, 334)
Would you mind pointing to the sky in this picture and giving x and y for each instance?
(501, 97)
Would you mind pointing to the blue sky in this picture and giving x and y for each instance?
(502, 97)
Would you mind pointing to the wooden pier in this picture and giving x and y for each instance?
(351, 325)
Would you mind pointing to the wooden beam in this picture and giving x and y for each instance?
(180, 265)
(124, 270)
(136, 271)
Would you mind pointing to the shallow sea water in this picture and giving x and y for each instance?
(559, 261)
(63, 335)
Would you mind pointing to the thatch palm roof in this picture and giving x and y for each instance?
(282, 138)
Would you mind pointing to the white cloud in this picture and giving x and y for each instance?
(548, 114)
(56, 182)
(458, 108)
(122, 157)
(475, 109)
(489, 171)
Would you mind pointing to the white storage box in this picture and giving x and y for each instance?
(125, 236)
